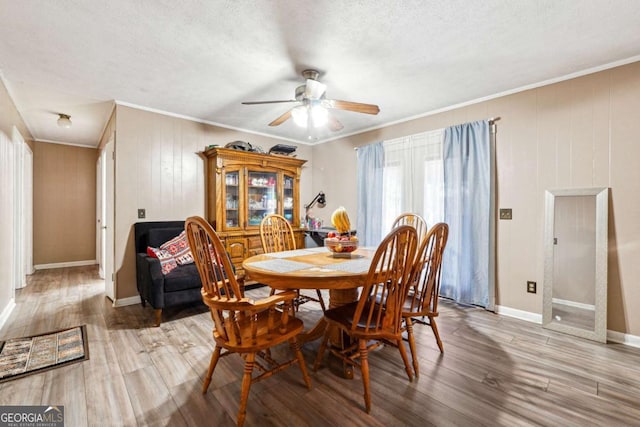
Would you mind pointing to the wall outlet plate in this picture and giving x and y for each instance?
(505, 213)
(531, 287)
(142, 213)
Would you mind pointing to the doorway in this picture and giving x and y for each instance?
(105, 218)
(23, 210)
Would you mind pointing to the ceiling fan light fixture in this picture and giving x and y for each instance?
(300, 115)
(64, 121)
(319, 115)
(312, 110)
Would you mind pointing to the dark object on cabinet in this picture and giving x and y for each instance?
(283, 149)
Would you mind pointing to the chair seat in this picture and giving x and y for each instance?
(263, 339)
(407, 311)
(343, 317)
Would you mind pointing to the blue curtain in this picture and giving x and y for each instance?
(369, 186)
(466, 275)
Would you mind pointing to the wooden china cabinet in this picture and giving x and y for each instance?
(242, 188)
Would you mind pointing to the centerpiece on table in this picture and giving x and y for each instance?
(341, 243)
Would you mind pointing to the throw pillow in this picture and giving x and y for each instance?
(179, 248)
(152, 252)
(167, 261)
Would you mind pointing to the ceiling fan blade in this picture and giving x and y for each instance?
(353, 106)
(314, 89)
(269, 102)
(283, 118)
(334, 124)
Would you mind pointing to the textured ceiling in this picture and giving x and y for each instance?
(201, 59)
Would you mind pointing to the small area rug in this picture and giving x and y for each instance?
(20, 357)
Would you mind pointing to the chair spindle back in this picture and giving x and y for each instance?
(380, 305)
(425, 282)
(276, 234)
(414, 220)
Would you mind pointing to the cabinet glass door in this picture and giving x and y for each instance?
(232, 197)
(287, 202)
(262, 199)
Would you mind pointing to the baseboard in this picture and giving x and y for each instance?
(65, 264)
(121, 302)
(4, 316)
(519, 314)
(613, 336)
(626, 339)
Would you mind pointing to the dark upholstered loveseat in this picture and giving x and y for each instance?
(181, 286)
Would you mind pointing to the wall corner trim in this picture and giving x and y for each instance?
(4, 316)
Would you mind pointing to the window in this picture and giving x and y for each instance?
(413, 178)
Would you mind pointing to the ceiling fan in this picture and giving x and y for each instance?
(313, 108)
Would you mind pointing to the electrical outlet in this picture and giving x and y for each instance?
(142, 213)
(505, 213)
(531, 287)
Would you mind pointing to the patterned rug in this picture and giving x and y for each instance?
(25, 356)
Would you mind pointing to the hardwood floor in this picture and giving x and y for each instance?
(495, 371)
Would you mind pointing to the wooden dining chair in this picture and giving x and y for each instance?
(376, 317)
(241, 325)
(424, 290)
(276, 235)
(414, 220)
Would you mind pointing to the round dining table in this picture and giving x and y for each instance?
(313, 268)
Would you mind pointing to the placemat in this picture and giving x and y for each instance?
(280, 265)
(352, 266)
(289, 254)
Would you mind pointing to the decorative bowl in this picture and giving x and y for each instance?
(341, 247)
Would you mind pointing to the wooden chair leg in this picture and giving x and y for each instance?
(321, 300)
(405, 359)
(323, 347)
(412, 345)
(434, 327)
(158, 312)
(246, 385)
(295, 346)
(364, 369)
(212, 366)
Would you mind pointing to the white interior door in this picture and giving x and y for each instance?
(18, 211)
(108, 220)
(100, 168)
(7, 209)
(28, 211)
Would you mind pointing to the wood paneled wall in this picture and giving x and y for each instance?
(578, 133)
(158, 168)
(64, 203)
